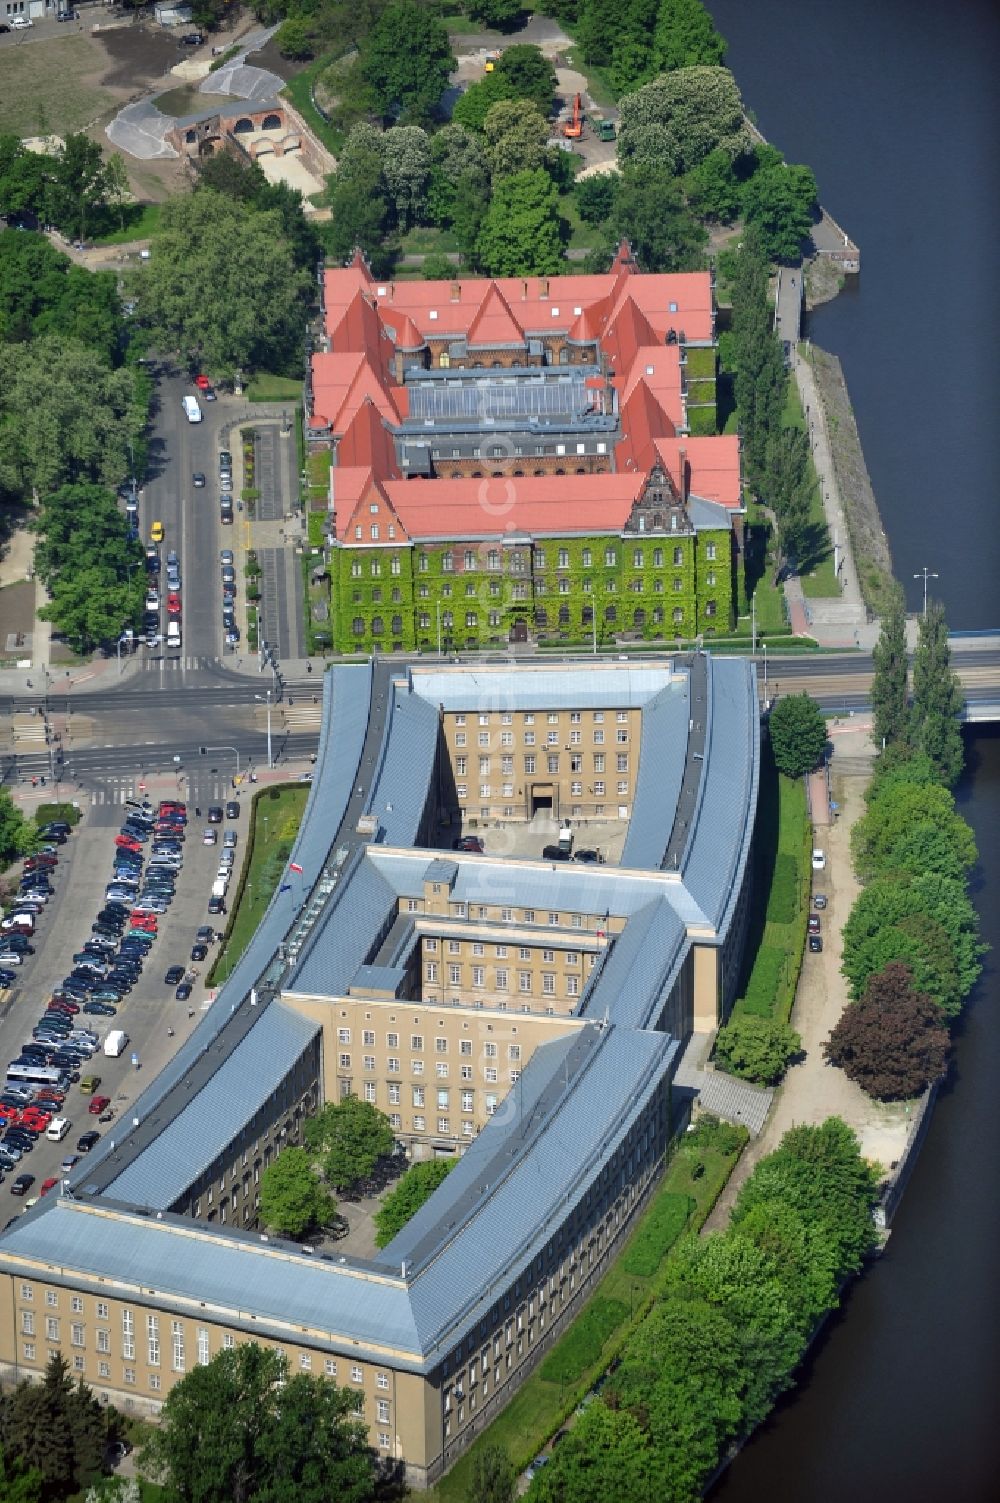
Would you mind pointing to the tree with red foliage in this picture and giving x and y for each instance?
(892, 1042)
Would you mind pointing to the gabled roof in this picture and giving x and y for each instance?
(643, 420)
(626, 331)
(494, 324)
(558, 504)
(368, 507)
(713, 464)
(359, 328)
(341, 382)
(367, 442)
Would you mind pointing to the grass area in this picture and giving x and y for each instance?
(274, 822)
(581, 236)
(428, 239)
(319, 634)
(46, 87)
(817, 570)
(299, 91)
(142, 221)
(697, 1170)
(317, 468)
(267, 388)
(221, 61)
(783, 881)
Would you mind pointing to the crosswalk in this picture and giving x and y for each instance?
(179, 664)
(117, 791)
(289, 717)
(28, 730)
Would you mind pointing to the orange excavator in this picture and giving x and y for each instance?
(573, 129)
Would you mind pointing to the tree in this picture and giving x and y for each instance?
(937, 698)
(529, 74)
(292, 1199)
(117, 190)
(605, 1455)
(63, 440)
(515, 138)
(893, 1042)
(785, 485)
(759, 379)
(55, 1429)
(522, 232)
(649, 212)
(42, 292)
(804, 1259)
(458, 162)
(17, 834)
(493, 1477)
(472, 106)
(915, 902)
(24, 179)
(756, 1048)
(907, 820)
(781, 200)
(223, 287)
(78, 185)
(685, 36)
(699, 108)
(272, 1437)
(595, 196)
(93, 571)
(407, 61)
(417, 1185)
(294, 38)
(502, 15)
(890, 713)
(406, 170)
(713, 188)
(798, 734)
(352, 1136)
(18, 1483)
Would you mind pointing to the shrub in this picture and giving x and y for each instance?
(658, 1233)
(764, 981)
(756, 1048)
(68, 813)
(783, 903)
(581, 1347)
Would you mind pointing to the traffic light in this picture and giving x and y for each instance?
(203, 750)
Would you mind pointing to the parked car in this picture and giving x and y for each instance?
(819, 900)
(814, 924)
(819, 861)
(815, 943)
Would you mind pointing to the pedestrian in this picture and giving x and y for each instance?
(170, 1033)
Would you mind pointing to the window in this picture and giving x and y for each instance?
(572, 986)
(177, 1343)
(330, 1367)
(370, 1092)
(202, 1347)
(419, 1095)
(103, 1341)
(27, 1293)
(441, 1069)
(710, 552)
(501, 979)
(623, 761)
(228, 1341)
(153, 1339)
(128, 1335)
(104, 1369)
(29, 1351)
(52, 1328)
(27, 1323)
(345, 1061)
(52, 1299)
(394, 1095)
(598, 737)
(524, 981)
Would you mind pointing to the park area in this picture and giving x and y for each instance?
(274, 821)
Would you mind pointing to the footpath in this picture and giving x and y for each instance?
(812, 1089)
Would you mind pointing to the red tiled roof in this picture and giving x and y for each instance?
(494, 323)
(364, 513)
(559, 504)
(642, 421)
(713, 466)
(359, 329)
(341, 382)
(368, 443)
(626, 332)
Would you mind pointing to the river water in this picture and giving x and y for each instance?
(893, 103)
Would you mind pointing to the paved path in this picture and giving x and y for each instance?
(814, 1090)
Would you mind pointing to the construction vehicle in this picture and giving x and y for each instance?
(573, 130)
(605, 130)
(492, 58)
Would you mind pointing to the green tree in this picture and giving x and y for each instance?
(292, 1199)
(937, 699)
(780, 200)
(351, 1136)
(798, 734)
(493, 1478)
(472, 106)
(17, 834)
(598, 25)
(472, 204)
(605, 1455)
(892, 1043)
(685, 36)
(42, 292)
(416, 1186)
(515, 138)
(54, 1429)
(595, 197)
(925, 899)
(44, 445)
(522, 232)
(117, 191)
(890, 712)
(18, 1483)
(786, 487)
(759, 373)
(756, 1048)
(713, 188)
(24, 178)
(649, 211)
(528, 74)
(803, 1257)
(271, 1437)
(294, 38)
(406, 61)
(78, 186)
(458, 168)
(223, 287)
(905, 813)
(502, 15)
(700, 109)
(406, 171)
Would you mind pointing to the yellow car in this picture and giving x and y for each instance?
(156, 533)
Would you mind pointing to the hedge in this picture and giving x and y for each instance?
(657, 1234)
(581, 1347)
(764, 981)
(66, 813)
(783, 903)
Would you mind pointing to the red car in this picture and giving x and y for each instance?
(145, 921)
(128, 843)
(173, 604)
(63, 1004)
(203, 383)
(48, 1184)
(98, 1104)
(36, 1120)
(8, 1113)
(51, 1098)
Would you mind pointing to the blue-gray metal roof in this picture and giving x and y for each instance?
(709, 514)
(205, 1266)
(515, 1216)
(724, 819)
(441, 870)
(192, 1139)
(662, 749)
(405, 773)
(379, 978)
(572, 686)
(357, 917)
(631, 984)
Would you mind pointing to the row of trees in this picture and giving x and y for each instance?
(54, 1437)
(912, 951)
(90, 565)
(638, 39)
(732, 1322)
(75, 189)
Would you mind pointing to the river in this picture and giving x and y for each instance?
(893, 103)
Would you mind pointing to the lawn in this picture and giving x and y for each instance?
(817, 570)
(267, 388)
(426, 240)
(299, 91)
(42, 87)
(141, 222)
(699, 1167)
(581, 236)
(274, 821)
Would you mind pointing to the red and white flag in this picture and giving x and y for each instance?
(293, 866)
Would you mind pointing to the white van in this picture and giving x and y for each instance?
(173, 634)
(219, 887)
(57, 1129)
(116, 1043)
(192, 409)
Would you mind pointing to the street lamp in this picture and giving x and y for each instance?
(260, 699)
(204, 750)
(926, 574)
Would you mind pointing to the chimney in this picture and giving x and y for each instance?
(456, 292)
(524, 292)
(682, 465)
(543, 287)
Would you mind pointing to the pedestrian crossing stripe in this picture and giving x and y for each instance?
(105, 795)
(289, 717)
(165, 665)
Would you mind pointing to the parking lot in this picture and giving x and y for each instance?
(154, 1020)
